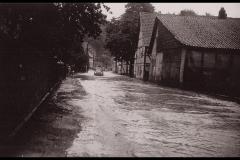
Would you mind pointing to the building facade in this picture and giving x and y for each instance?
(196, 51)
(141, 59)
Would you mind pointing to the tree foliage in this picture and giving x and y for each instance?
(36, 38)
(122, 33)
(116, 40)
(222, 14)
(208, 14)
(187, 12)
(57, 28)
(98, 43)
(105, 59)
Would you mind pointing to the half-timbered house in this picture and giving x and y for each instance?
(142, 61)
(196, 51)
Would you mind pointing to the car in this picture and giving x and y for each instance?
(98, 71)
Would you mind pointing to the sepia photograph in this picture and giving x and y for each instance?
(106, 79)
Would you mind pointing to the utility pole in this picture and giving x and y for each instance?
(87, 47)
(93, 60)
(144, 62)
(88, 56)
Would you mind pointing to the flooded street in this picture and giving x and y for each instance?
(115, 115)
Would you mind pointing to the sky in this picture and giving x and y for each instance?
(232, 9)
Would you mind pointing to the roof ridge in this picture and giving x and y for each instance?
(202, 31)
(198, 16)
(147, 22)
(149, 13)
(171, 32)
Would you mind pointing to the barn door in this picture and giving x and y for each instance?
(171, 66)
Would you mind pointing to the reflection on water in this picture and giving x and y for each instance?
(126, 117)
(115, 115)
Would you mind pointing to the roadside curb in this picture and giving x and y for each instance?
(29, 115)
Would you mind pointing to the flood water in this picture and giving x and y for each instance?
(125, 117)
(114, 115)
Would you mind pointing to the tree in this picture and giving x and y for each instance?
(36, 38)
(208, 14)
(98, 43)
(114, 38)
(222, 14)
(105, 59)
(122, 33)
(101, 54)
(139, 7)
(28, 23)
(187, 12)
(55, 28)
(170, 13)
(78, 20)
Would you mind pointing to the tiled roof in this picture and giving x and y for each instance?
(147, 22)
(202, 31)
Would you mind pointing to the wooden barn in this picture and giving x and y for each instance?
(142, 61)
(196, 51)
